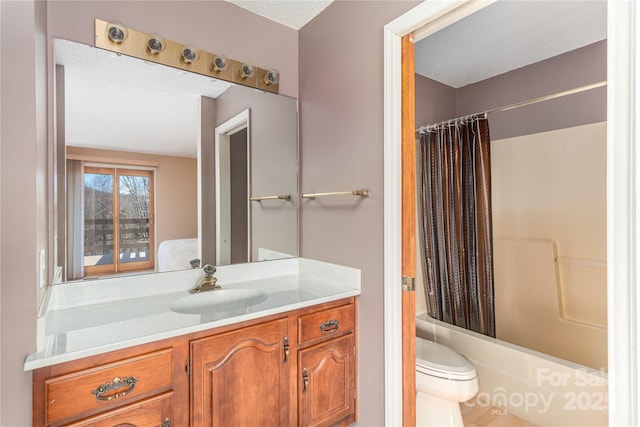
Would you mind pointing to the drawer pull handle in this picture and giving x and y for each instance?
(329, 326)
(102, 391)
(305, 380)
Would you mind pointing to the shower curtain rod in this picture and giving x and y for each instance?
(518, 104)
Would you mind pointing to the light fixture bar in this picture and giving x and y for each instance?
(136, 45)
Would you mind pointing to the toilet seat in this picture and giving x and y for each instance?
(440, 361)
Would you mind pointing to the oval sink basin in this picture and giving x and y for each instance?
(218, 300)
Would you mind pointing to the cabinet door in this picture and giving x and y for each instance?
(154, 412)
(326, 385)
(241, 378)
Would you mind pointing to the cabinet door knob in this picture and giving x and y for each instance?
(286, 349)
(166, 422)
(305, 380)
(102, 390)
(329, 326)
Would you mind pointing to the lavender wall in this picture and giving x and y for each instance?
(26, 30)
(341, 115)
(567, 71)
(23, 200)
(208, 112)
(274, 164)
(435, 101)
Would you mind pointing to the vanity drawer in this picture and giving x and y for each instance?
(107, 386)
(325, 324)
(156, 411)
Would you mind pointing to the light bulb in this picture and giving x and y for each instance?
(247, 71)
(117, 32)
(272, 77)
(190, 55)
(219, 63)
(155, 44)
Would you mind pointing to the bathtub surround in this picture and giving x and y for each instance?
(549, 207)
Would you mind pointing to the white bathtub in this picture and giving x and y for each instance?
(534, 386)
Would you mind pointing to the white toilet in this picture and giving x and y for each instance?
(444, 378)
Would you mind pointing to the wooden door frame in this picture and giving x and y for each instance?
(408, 232)
(623, 243)
(399, 190)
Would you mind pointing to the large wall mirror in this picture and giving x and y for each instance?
(159, 169)
(548, 161)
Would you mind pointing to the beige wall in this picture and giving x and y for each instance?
(176, 192)
(341, 124)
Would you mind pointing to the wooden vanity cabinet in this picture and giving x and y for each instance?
(156, 411)
(241, 378)
(140, 386)
(295, 368)
(326, 367)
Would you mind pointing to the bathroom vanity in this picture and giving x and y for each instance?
(287, 360)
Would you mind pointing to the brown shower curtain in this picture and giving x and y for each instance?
(455, 170)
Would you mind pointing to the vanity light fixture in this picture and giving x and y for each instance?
(117, 32)
(247, 71)
(189, 55)
(219, 63)
(115, 37)
(271, 77)
(155, 44)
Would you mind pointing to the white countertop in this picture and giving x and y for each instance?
(83, 319)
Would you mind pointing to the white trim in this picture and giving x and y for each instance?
(392, 230)
(199, 177)
(623, 209)
(223, 230)
(421, 15)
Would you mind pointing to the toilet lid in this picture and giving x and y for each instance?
(441, 361)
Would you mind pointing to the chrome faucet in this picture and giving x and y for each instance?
(208, 282)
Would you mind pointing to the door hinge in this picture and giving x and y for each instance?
(408, 284)
(187, 367)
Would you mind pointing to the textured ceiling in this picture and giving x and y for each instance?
(292, 13)
(508, 35)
